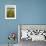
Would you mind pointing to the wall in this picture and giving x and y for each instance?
(31, 11)
(6, 26)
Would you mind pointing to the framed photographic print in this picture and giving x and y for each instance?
(10, 11)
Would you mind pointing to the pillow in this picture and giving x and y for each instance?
(24, 34)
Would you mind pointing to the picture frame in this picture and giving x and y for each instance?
(10, 11)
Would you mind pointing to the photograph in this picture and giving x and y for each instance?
(10, 11)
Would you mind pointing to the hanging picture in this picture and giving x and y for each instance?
(10, 11)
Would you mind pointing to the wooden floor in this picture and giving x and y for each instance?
(9, 45)
(30, 43)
